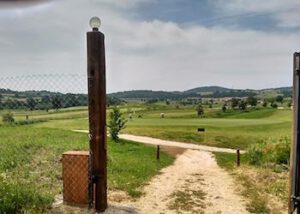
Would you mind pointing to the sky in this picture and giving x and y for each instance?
(154, 44)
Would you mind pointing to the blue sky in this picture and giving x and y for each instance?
(156, 44)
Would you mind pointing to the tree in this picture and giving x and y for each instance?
(8, 118)
(234, 103)
(252, 101)
(200, 110)
(274, 105)
(279, 99)
(31, 103)
(56, 102)
(1, 104)
(9, 103)
(224, 108)
(243, 105)
(116, 123)
(265, 103)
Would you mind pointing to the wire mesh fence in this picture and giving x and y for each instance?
(38, 114)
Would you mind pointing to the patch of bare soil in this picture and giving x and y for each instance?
(193, 184)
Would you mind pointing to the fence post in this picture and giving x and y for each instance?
(158, 152)
(238, 157)
(97, 115)
(295, 143)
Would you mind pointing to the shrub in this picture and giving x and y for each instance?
(116, 123)
(255, 154)
(274, 105)
(29, 122)
(200, 110)
(270, 151)
(8, 118)
(279, 151)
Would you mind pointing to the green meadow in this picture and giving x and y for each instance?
(30, 167)
(232, 129)
(30, 170)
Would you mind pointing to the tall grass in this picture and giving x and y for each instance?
(276, 151)
(30, 168)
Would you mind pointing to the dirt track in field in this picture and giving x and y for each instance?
(193, 184)
(155, 141)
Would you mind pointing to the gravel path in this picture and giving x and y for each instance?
(155, 141)
(193, 184)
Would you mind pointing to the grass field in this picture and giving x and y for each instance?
(30, 168)
(232, 129)
(30, 171)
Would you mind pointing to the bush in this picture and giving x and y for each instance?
(29, 122)
(279, 152)
(255, 154)
(274, 105)
(116, 123)
(270, 151)
(8, 118)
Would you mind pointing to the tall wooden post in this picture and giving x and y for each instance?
(294, 192)
(97, 116)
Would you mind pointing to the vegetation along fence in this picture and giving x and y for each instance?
(38, 114)
(39, 119)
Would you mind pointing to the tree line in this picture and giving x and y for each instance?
(46, 102)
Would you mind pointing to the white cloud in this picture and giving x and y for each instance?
(174, 58)
(286, 12)
(144, 55)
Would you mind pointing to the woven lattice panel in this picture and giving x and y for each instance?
(75, 177)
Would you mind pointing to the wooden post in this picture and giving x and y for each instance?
(97, 116)
(295, 144)
(238, 157)
(158, 153)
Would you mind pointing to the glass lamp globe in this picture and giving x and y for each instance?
(95, 22)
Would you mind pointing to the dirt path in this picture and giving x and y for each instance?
(155, 141)
(193, 184)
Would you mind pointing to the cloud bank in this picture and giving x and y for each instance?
(152, 53)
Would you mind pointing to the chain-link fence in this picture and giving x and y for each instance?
(39, 114)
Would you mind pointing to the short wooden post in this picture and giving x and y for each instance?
(158, 153)
(238, 158)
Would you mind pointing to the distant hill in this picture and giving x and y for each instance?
(45, 99)
(148, 94)
(206, 91)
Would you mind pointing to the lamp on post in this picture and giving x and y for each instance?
(97, 116)
(95, 23)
